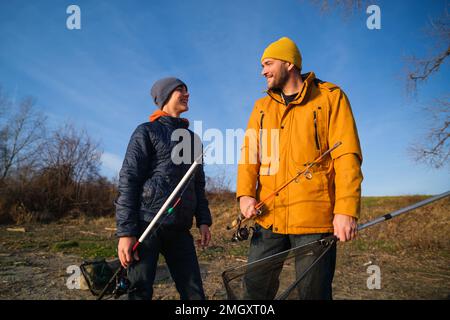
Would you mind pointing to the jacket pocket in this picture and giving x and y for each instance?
(265, 187)
(304, 139)
(315, 187)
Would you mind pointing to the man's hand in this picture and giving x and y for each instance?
(247, 205)
(345, 227)
(125, 249)
(205, 235)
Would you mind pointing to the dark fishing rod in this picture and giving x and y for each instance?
(327, 242)
(403, 210)
(321, 247)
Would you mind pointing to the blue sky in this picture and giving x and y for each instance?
(99, 77)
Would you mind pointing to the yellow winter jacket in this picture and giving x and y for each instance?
(280, 140)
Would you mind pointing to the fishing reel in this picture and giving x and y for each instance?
(122, 286)
(241, 234)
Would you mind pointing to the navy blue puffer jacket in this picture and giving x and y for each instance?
(148, 177)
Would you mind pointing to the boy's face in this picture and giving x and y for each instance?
(178, 101)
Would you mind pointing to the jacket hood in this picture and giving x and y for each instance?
(168, 119)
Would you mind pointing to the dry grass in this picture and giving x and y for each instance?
(413, 252)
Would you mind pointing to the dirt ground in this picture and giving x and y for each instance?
(411, 251)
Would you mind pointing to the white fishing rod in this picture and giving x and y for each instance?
(169, 200)
(123, 283)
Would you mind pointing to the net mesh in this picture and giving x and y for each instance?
(275, 277)
(97, 274)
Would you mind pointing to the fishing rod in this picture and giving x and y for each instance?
(325, 244)
(122, 283)
(403, 210)
(242, 233)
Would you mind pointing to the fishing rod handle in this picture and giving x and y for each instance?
(135, 246)
(241, 218)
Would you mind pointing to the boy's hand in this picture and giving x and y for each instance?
(125, 249)
(205, 235)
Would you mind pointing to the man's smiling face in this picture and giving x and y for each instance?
(276, 73)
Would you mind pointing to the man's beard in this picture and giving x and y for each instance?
(279, 83)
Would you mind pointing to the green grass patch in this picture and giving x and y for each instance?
(443, 253)
(87, 249)
(98, 249)
(386, 246)
(367, 202)
(210, 253)
(359, 244)
(62, 245)
(4, 263)
(239, 250)
(370, 245)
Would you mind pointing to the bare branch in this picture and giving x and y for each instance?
(421, 69)
(76, 150)
(22, 134)
(424, 68)
(435, 148)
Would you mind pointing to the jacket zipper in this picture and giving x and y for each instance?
(282, 97)
(261, 142)
(316, 133)
(260, 136)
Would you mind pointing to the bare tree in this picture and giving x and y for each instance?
(424, 68)
(75, 153)
(435, 148)
(22, 133)
(421, 69)
(220, 182)
(5, 102)
(42, 176)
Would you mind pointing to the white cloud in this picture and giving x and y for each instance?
(111, 164)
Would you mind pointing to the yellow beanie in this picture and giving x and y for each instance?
(284, 49)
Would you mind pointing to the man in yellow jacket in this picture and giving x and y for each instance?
(297, 121)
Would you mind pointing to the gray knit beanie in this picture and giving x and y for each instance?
(163, 88)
